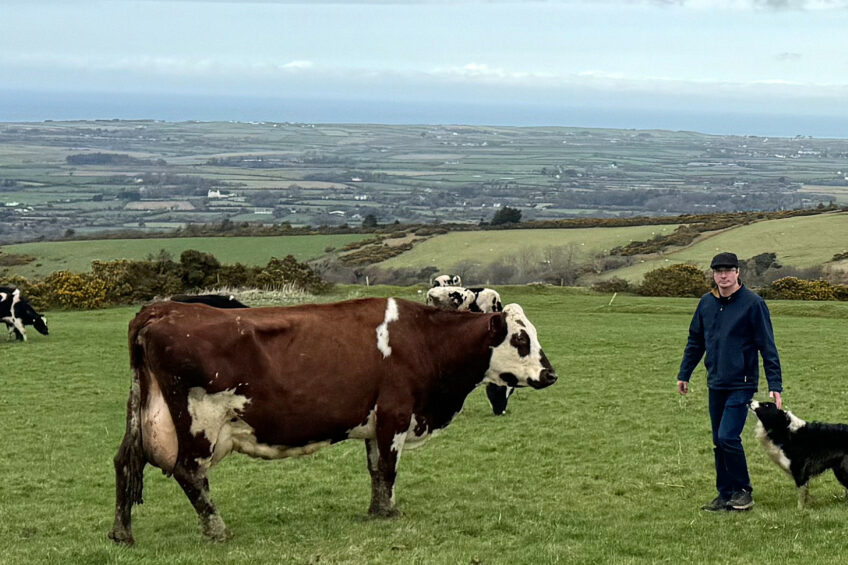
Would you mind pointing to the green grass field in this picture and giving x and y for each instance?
(609, 465)
(77, 255)
(485, 247)
(804, 241)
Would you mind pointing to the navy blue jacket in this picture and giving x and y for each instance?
(732, 331)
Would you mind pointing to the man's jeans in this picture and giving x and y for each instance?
(728, 410)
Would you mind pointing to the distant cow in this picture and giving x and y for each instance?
(474, 300)
(459, 298)
(447, 280)
(16, 313)
(214, 300)
(286, 381)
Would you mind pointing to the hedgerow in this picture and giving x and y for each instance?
(126, 282)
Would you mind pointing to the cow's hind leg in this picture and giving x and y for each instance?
(129, 473)
(194, 483)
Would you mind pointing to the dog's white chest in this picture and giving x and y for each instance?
(774, 452)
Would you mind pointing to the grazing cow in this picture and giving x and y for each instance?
(459, 298)
(16, 313)
(214, 300)
(447, 280)
(286, 381)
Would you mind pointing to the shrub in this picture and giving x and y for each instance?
(73, 290)
(792, 288)
(840, 291)
(280, 273)
(199, 269)
(238, 275)
(614, 284)
(374, 254)
(676, 280)
(133, 281)
(506, 215)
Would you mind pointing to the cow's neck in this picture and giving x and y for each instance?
(459, 372)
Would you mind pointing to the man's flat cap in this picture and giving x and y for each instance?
(725, 260)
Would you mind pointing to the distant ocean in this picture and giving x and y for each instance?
(41, 106)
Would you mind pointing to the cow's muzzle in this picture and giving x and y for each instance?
(547, 377)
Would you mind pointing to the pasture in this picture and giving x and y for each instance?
(485, 247)
(804, 241)
(609, 465)
(77, 255)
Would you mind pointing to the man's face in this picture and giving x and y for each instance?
(726, 277)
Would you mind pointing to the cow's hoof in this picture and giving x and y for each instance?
(122, 537)
(384, 512)
(215, 530)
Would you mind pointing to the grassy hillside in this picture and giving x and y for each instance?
(77, 255)
(800, 242)
(485, 247)
(609, 465)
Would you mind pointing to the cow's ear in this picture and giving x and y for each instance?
(497, 327)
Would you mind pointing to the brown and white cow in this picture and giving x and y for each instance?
(283, 382)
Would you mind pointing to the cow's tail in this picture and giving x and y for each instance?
(131, 452)
(130, 459)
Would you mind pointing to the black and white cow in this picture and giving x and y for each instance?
(483, 300)
(16, 313)
(447, 280)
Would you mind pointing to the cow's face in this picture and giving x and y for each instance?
(27, 314)
(518, 360)
(40, 324)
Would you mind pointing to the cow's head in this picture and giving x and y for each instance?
(517, 359)
(27, 314)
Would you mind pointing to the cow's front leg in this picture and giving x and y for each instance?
(196, 487)
(383, 455)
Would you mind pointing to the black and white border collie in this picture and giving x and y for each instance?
(802, 449)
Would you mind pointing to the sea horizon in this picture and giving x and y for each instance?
(34, 107)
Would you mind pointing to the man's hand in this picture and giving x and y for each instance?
(776, 397)
(683, 387)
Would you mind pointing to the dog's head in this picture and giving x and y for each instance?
(773, 419)
(769, 414)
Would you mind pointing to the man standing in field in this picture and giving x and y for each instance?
(731, 325)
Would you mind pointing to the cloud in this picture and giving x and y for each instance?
(787, 56)
(153, 66)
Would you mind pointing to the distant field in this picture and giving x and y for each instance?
(800, 242)
(77, 255)
(608, 466)
(839, 193)
(485, 247)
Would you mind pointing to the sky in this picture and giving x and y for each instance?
(621, 63)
